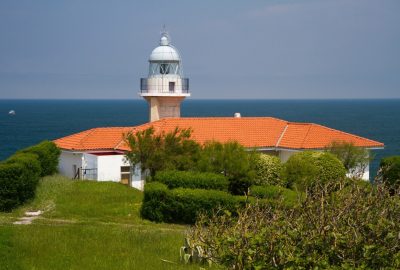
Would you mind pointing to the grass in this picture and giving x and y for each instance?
(88, 225)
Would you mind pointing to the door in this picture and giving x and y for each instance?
(172, 86)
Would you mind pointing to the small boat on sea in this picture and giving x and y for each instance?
(12, 112)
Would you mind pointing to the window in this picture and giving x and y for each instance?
(126, 175)
(164, 68)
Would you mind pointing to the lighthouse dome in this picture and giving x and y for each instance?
(165, 52)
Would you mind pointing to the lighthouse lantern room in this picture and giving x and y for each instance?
(164, 88)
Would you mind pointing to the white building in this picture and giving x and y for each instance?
(98, 154)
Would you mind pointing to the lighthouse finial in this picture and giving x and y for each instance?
(165, 39)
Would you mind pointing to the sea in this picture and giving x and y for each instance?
(37, 120)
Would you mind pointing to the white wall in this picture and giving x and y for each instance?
(67, 161)
(109, 167)
(358, 171)
(137, 181)
(284, 155)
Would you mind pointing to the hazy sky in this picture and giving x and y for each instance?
(230, 49)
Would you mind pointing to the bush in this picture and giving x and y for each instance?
(275, 193)
(230, 159)
(389, 171)
(187, 179)
(305, 169)
(48, 154)
(19, 176)
(187, 204)
(268, 170)
(358, 228)
(182, 205)
(155, 202)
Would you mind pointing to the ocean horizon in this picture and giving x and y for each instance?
(48, 119)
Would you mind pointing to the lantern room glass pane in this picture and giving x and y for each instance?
(164, 68)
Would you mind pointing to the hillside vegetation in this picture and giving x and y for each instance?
(88, 225)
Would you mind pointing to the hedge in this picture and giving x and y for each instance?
(274, 193)
(182, 205)
(20, 174)
(48, 154)
(196, 180)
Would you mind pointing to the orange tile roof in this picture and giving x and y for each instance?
(260, 132)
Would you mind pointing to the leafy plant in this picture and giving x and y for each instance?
(162, 151)
(336, 226)
(232, 160)
(389, 171)
(268, 170)
(305, 169)
(190, 179)
(354, 159)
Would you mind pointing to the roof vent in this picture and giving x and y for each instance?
(237, 115)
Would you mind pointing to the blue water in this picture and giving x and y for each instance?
(37, 120)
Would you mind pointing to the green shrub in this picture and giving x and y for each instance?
(230, 159)
(31, 173)
(48, 154)
(187, 179)
(19, 176)
(268, 170)
(305, 169)
(187, 204)
(11, 179)
(183, 205)
(155, 202)
(357, 228)
(274, 193)
(389, 171)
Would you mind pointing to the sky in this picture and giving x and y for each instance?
(271, 49)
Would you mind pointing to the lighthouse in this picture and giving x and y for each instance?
(164, 88)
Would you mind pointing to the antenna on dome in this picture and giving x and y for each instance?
(164, 33)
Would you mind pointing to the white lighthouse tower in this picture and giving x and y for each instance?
(164, 88)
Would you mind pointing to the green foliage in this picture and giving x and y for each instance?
(156, 202)
(275, 193)
(162, 151)
(19, 175)
(187, 204)
(354, 159)
(189, 179)
(305, 169)
(268, 170)
(336, 226)
(182, 205)
(48, 154)
(389, 171)
(232, 160)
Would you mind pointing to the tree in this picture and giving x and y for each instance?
(355, 159)
(161, 151)
(303, 170)
(268, 170)
(232, 160)
(389, 171)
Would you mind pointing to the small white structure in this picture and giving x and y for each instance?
(164, 88)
